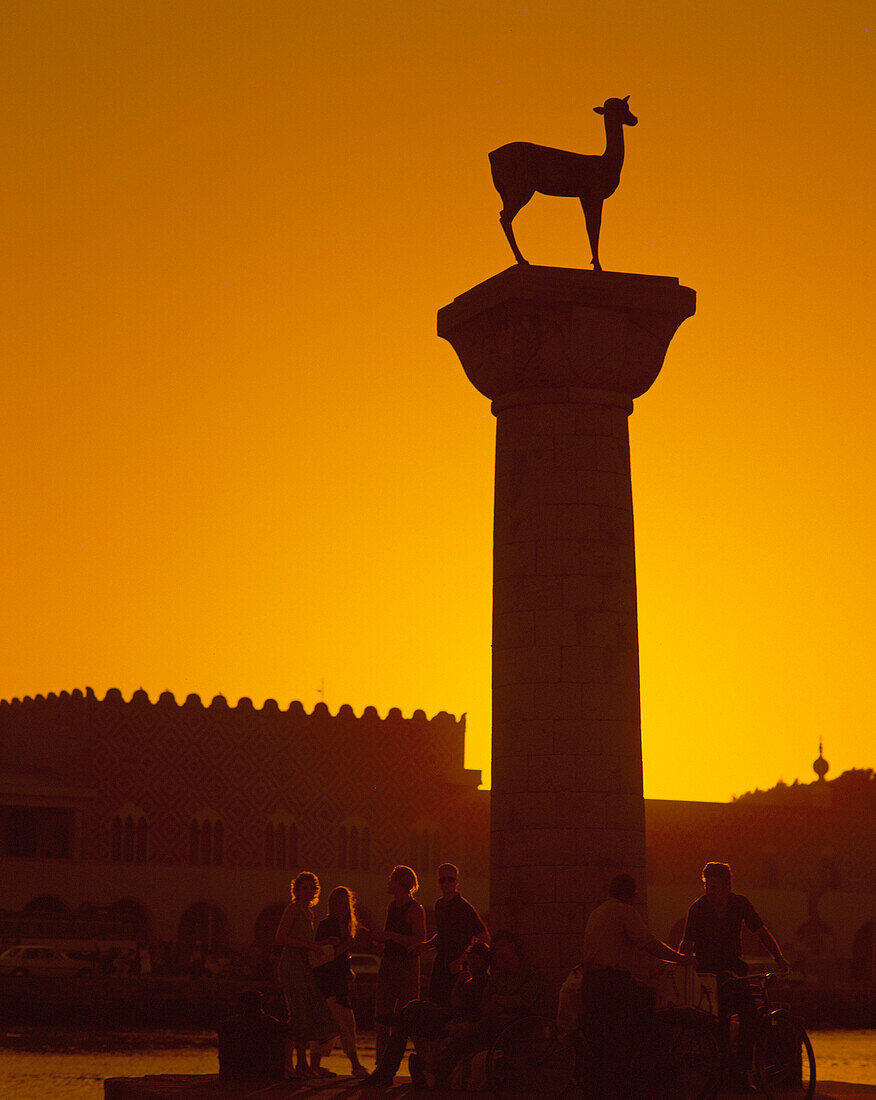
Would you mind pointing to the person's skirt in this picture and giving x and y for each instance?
(306, 1011)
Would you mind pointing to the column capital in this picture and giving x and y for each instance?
(546, 328)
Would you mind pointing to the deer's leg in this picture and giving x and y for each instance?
(506, 217)
(593, 217)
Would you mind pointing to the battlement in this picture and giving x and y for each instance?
(219, 703)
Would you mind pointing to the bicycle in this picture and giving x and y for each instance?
(784, 1062)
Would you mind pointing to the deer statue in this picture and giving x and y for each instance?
(521, 168)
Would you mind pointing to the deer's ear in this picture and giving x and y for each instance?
(599, 110)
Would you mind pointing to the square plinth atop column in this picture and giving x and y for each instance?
(555, 327)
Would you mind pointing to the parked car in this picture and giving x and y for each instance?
(26, 960)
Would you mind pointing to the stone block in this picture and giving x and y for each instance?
(560, 557)
(583, 810)
(514, 559)
(583, 593)
(533, 808)
(615, 526)
(622, 739)
(535, 593)
(564, 700)
(555, 627)
(524, 737)
(591, 419)
(542, 664)
(550, 847)
(598, 629)
(524, 521)
(620, 596)
(613, 456)
(581, 885)
(513, 629)
(535, 884)
(583, 664)
(576, 521)
(576, 736)
(599, 487)
(607, 562)
(548, 420)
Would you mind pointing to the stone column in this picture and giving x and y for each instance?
(562, 353)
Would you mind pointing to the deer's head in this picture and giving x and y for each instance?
(618, 110)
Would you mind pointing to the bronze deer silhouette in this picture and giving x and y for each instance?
(521, 168)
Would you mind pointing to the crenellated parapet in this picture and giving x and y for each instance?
(219, 702)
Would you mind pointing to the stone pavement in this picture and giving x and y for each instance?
(209, 1087)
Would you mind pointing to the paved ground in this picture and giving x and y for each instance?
(179, 1087)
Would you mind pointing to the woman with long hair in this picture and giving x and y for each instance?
(309, 1018)
(335, 977)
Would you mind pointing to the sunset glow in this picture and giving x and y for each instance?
(237, 458)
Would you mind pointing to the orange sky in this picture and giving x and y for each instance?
(237, 459)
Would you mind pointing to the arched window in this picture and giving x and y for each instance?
(206, 841)
(116, 841)
(269, 845)
(342, 847)
(353, 850)
(218, 843)
(365, 850)
(140, 841)
(128, 846)
(281, 845)
(194, 833)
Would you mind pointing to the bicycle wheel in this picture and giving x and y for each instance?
(696, 1060)
(783, 1060)
(527, 1059)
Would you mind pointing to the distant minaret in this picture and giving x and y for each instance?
(821, 792)
(820, 766)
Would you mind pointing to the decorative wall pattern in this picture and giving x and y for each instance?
(245, 767)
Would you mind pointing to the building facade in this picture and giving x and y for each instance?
(184, 822)
(193, 818)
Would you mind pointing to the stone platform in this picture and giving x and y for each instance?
(209, 1087)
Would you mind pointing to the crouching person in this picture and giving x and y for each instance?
(429, 1024)
(511, 990)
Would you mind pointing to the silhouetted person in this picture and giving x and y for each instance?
(616, 1007)
(712, 932)
(252, 1043)
(457, 925)
(335, 978)
(398, 980)
(426, 1021)
(310, 1020)
(511, 990)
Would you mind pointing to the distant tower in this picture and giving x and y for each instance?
(820, 766)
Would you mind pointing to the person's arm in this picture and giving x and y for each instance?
(769, 942)
(661, 950)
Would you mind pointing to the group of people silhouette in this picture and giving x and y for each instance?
(480, 983)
